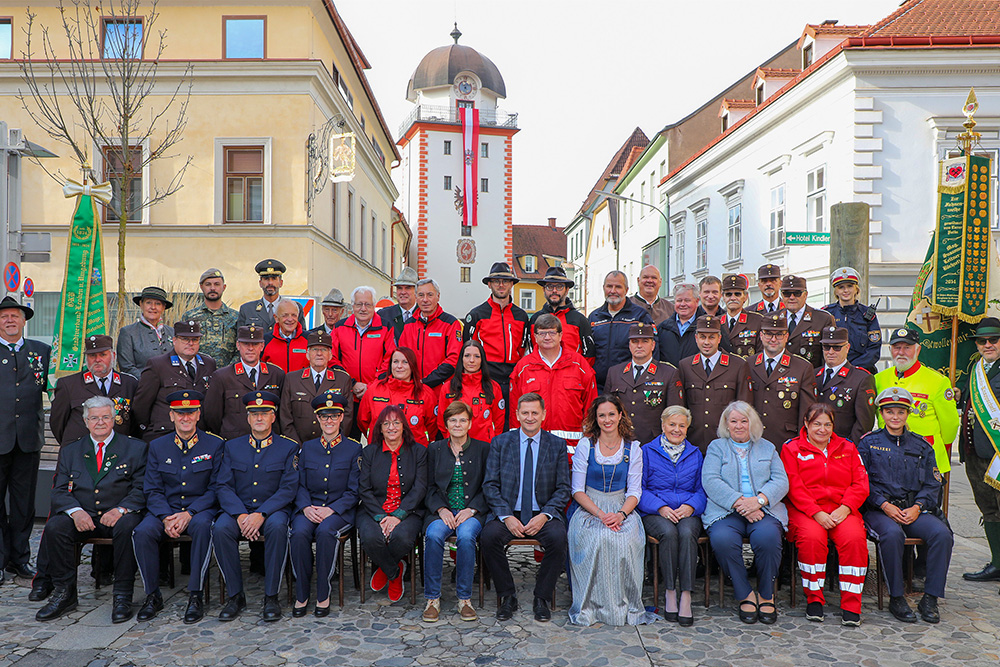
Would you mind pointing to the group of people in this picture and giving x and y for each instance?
(700, 413)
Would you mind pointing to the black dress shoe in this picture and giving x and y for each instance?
(988, 573)
(195, 609)
(899, 608)
(23, 570)
(151, 607)
(748, 616)
(928, 609)
(767, 613)
(321, 612)
(121, 608)
(506, 608)
(233, 607)
(685, 621)
(40, 589)
(272, 609)
(670, 616)
(61, 602)
(541, 610)
(299, 612)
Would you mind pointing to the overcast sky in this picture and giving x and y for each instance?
(582, 74)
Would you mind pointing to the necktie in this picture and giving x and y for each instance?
(317, 380)
(708, 367)
(770, 367)
(770, 307)
(732, 323)
(638, 372)
(270, 311)
(253, 377)
(100, 455)
(527, 484)
(104, 387)
(191, 373)
(791, 323)
(829, 374)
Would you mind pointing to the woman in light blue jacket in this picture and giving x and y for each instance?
(745, 482)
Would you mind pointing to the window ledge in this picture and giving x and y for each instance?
(733, 265)
(776, 254)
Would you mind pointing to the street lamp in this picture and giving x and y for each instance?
(664, 229)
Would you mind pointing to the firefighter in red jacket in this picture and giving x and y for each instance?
(287, 345)
(434, 336)
(473, 384)
(576, 331)
(562, 377)
(403, 388)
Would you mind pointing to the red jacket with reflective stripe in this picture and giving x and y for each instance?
(288, 355)
(436, 342)
(503, 333)
(568, 389)
(824, 483)
(365, 357)
(487, 416)
(419, 411)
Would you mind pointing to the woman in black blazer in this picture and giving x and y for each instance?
(392, 487)
(456, 467)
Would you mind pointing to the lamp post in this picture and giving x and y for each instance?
(664, 232)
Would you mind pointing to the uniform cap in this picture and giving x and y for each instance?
(189, 329)
(845, 274)
(904, 335)
(556, 275)
(256, 401)
(211, 273)
(98, 343)
(775, 322)
(500, 271)
(269, 267)
(708, 324)
(319, 338)
(334, 298)
(250, 334)
(738, 281)
(891, 396)
(791, 282)
(768, 271)
(834, 336)
(641, 330)
(152, 292)
(328, 401)
(408, 276)
(187, 400)
(988, 327)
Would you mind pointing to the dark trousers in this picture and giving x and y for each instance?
(226, 541)
(726, 536)
(326, 535)
(386, 554)
(987, 498)
(890, 535)
(18, 479)
(678, 549)
(146, 541)
(59, 541)
(552, 537)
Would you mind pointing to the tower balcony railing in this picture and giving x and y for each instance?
(445, 115)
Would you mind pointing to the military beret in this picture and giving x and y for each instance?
(211, 273)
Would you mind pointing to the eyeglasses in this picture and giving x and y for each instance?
(392, 424)
(546, 334)
(791, 292)
(729, 294)
(830, 346)
(328, 416)
(773, 334)
(100, 418)
(552, 287)
(992, 340)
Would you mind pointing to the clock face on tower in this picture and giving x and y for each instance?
(465, 86)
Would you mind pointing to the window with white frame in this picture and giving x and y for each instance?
(527, 298)
(663, 169)
(777, 216)
(121, 38)
(701, 235)
(529, 263)
(385, 248)
(735, 231)
(447, 147)
(484, 150)
(364, 228)
(652, 187)
(677, 243)
(244, 183)
(447, 182)
(484, 185)
(816, 200)
(6, 38)
(642, 191)
(465, 274)
(115, 170)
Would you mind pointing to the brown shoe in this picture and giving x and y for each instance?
(432, 611)
(465, 611)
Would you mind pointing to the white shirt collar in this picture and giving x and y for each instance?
(17, 344)
(836, 369)
(106, 442)
(552, 363)
(247, 369)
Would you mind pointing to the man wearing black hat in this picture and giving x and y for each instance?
(610, 324)
(500, 325)
(742, 327)
(224, 412)
(167, 373)
(296, 415)
(24, 370)
(849, 390)
(256, 487)
(262, 312)
(181, 471)
(218, 321)
(709, 381)
(149, 336)
(642, 382)
(980, 440)
(769, 283)
(805, 323)
(784, 385)
(576, 331)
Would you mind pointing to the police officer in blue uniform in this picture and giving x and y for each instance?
(181, 471)
(905, 488)
(325, 502)
(863, 331)
(256, 487)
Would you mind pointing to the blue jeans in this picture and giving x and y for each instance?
(465, 568)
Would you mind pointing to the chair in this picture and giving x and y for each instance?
(414, 560)
(170, 543)
(706, 555)
(907, 571)
(96, 555)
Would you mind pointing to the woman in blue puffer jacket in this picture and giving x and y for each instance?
(671, 504)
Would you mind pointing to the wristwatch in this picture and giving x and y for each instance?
(761, 501)
(123, 510)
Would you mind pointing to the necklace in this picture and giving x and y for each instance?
(604, 468)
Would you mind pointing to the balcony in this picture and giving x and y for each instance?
(449, 116)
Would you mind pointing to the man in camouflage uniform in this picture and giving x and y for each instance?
(218, 321)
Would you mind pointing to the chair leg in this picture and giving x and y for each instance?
(96, 564)
(354, 559)
(361, 562)
(340, 573)
(289, 577)
(171, 573)
(414, 561)
(793, 568)
(878, 577)
(656, 575)
(482, 577)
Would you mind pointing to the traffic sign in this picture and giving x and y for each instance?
(11, 277)
(807, 238)
(29, 287)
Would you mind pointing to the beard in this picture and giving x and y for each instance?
(902, 365)
(213, 296)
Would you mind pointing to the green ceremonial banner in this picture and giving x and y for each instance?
(83, 304)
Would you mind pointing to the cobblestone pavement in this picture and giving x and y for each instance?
(380, 634)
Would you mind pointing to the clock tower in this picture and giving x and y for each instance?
(456, 172)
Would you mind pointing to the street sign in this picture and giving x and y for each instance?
(308, 306)
(807, 238)
(28, 302)
(11, 277)
(29, 287)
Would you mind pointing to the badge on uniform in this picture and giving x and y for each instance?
(414, 419)
(653, 398)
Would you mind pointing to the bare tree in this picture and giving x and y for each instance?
(101, 92)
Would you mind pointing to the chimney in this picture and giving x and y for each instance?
(552, 223)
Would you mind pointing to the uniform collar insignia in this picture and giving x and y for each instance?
(760, 359)
(88, 377)
(844, 371)
(332, 443)
(627, 369)
(785, 360)
(651, 368)
(724, 359)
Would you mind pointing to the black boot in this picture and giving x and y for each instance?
(234, 606)
(121, 609)
(41, 586)
(195, 609)
(151, 607)
(899, 608)
(928, 609)
(272, 609)
(61, 602)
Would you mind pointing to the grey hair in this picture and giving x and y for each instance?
(745, 409)
(298, 308)
(685, 287)
(673, 411)
(364, 288)
(95, 402)
(429, 281)
(617, 274)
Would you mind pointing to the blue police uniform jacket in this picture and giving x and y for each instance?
(611, 335)
(258, 476)
(900, 469)
(863, 335)
(181, 476)
(328, 476)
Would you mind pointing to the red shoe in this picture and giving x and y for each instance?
(379, 580)
(396, 586)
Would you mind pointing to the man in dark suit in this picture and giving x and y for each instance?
(181, 471)
(167, 373)
(405, 308)
(848, 389)
(642, 383)
(24, 369)
(97, 492)
(527, 487)
(297, 417)
(99, 379)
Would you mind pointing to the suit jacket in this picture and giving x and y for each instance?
(644, 397)
(503, 475)
(162, 376)
(262, 481)
(782, 399)
(137, 344)
(851, 394)
(441, 467)
(23, 379)
(66, 415)
(223, 411)
(971, 434)
(744, 337)
(392, 317)
(329, 476)
(707, 397)
(804, 339)
(373, 484)
(672, 345)
(119, 482)
(178, 480)
(298, 421)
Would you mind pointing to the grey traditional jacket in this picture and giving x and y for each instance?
(137, 344)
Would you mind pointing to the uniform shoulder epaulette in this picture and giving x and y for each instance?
(214, 435)
(667, 363)
(874, 430)
(285, 438)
